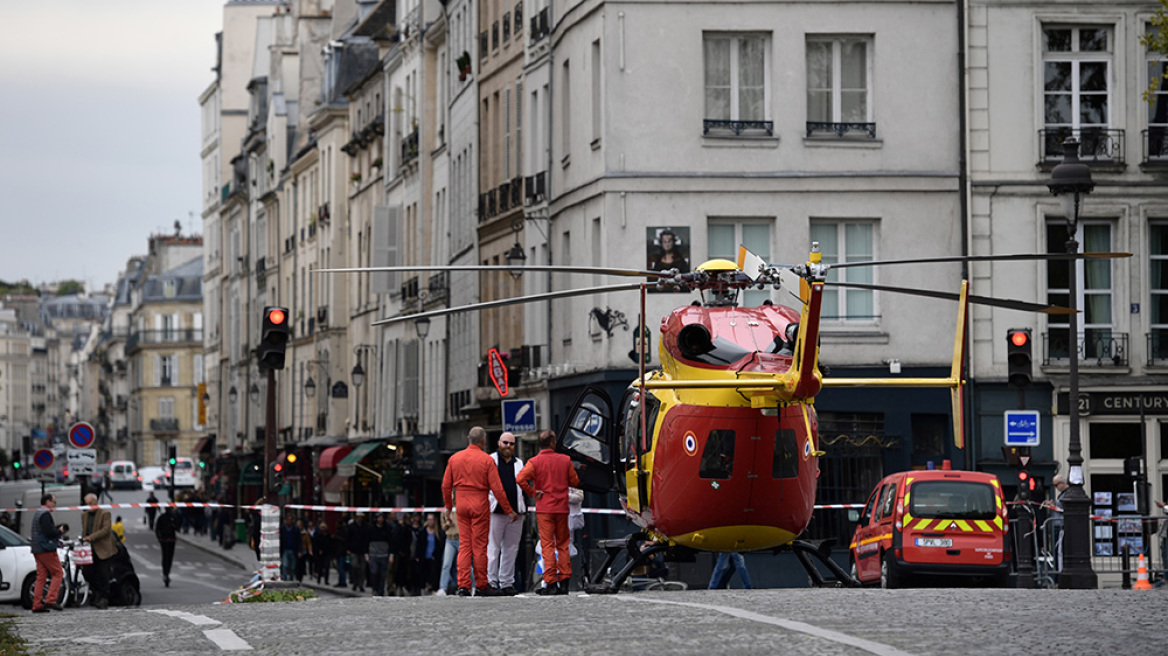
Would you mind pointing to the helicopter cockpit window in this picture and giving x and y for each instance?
(585, 434)
(718, 456)
(785, 463)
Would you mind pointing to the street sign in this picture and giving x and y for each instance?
(82, 461)
(498, 371)
(1021, 427)
(43, 459)
(519, 415)
(82, 435)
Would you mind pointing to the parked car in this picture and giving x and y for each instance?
(149, 475)
(185, 474)
(942, 524)
(17, 568)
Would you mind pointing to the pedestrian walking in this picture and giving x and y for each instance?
(547, 477)
(380, 539)
(166, 530)
(96, 530)
(357, 546)
(503, 543)
(46, 537)
(726, 566)
(289, 548)
(448, 573)
(151, 511)
(322, 552)
(470, 474)
(429, 545)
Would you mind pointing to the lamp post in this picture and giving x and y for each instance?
(422, 326)
(516, 257)
(358, 375)
(1070, 181)
(310, 387)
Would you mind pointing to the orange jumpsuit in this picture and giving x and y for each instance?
(469, 475)
(553, 475)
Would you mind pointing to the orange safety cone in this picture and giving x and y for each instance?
(1142, 582)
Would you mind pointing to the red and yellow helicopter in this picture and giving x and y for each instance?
(718, 449)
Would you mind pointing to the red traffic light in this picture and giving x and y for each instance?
(276, 316)
(1022, 476)
(277, 467)
(1019, 338)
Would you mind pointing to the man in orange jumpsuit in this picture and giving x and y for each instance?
(553, 475)
(470, 474)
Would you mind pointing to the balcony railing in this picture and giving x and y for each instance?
(539, 25)
(1096, 145)
(841, 130)
(409, 148)
(261, 267)
(535, 189)
(504, 196)
(719, 126)
(1158, 347)
(164, 425)
(1100, 347)
(1156, 146)
(174, 336)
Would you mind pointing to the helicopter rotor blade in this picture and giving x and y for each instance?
(503, 302)
(1007, 303)
(985, 258)
(609, 271)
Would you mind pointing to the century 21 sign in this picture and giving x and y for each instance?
(1116, 403)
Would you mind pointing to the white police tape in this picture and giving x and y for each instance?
(341, 509)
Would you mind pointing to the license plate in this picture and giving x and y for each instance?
(934, 542)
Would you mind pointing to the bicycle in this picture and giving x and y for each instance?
(74, 588)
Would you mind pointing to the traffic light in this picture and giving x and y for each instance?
(1132, 467)
(16, 463)
(172, 455)
(273, 338)
(277, 474)
(291, 458)
(1025, 485)
(1018, 357)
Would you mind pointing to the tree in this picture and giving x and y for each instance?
(67, 287)
(1156, 40)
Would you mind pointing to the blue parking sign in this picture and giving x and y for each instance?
(1021, 428)
(519, 415)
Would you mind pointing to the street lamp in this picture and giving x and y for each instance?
(358, 375)
(1071, 180)
(254, 393)
(310, 387)
(232, 395)
(516, 257)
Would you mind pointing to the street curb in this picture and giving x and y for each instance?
(209, 548)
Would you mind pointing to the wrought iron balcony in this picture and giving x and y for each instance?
(492, 206)
(737, 127)
(173, 336)
(409, 148)
(169, 425)
(841, 130)
(1156, 146)
(1102, 348)
(504, 196)
(1101, 146)
(1158, 347)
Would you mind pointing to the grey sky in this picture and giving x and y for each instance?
(99, 130)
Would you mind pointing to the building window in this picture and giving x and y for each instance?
(839, 74)
(166, 407)
(737, 68)
(1156, 146)
(1158, 284)
(847, 241)
(1093, 296)
(1076, 63)
(723, 237)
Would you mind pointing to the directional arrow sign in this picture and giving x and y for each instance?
(1022, 428)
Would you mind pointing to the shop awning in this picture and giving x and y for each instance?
(332, 489)
(348, 466)
(330, 457)
(204, 444)
(252, 473)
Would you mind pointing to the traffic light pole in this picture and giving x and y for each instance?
(270, 434)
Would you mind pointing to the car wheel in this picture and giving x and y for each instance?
(26, 591)
(889, 579)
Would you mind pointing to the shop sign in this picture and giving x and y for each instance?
(1116, 403)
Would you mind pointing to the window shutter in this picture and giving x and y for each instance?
(158, 369)
(174, 379)
(386, 240)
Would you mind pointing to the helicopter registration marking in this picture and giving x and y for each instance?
(691, 444)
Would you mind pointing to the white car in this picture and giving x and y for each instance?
(17, 568)
(149, 474)
(185, 474)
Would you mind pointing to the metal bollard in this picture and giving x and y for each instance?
(1125, 563)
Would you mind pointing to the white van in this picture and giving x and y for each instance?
(123, 475)
(185, 474)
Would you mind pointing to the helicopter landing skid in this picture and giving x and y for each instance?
(821, 550)
(604, 581)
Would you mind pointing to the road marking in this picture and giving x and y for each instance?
(197, 620)
(790, 625)
(226, 640)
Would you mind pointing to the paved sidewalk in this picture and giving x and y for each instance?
(244, 558)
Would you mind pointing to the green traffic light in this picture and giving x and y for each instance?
(16, 465)
(202, 464)
(173, 462)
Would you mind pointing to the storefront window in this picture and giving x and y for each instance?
(1114, 440)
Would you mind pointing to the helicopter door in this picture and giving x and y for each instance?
(587, 438)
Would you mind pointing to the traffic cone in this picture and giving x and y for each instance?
(1142, 579)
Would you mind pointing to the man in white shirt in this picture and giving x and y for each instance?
(503, 544)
